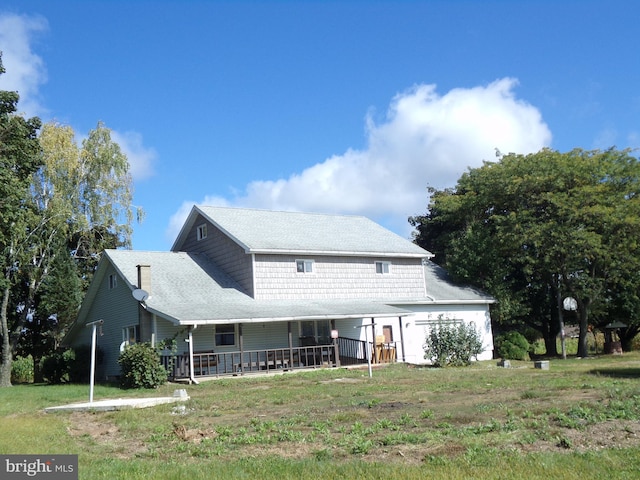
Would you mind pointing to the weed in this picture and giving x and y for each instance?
(426, 414)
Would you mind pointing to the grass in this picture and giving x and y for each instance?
(580, 419)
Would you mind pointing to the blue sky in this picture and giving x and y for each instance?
(349, 107)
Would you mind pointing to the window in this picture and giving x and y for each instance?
(225, 335)
(113, 281)
(319, 331)
(383, 267)
(131, 334)
(201, 232)
(304, 266)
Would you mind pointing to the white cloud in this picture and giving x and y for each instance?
(425, 140)
(141, 158)
(25, 71)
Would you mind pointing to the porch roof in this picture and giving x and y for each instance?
(187, 289)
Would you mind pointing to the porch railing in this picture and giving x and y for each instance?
(354, 352)
(248, 361)
(346, 351)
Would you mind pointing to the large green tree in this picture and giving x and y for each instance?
(82, 203)
(19, 158)
(531, 229)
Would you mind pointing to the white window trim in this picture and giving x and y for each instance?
(201, 232)
(113, 281)
(385, 268)
(308, 266)
(125, 333)
(235, 336)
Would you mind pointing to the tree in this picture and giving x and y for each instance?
(532, 228)
(82, 199)
(19, 158)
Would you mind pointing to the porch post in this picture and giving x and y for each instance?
(290, 340)
(374, 353)
(241, 348)
(336, 351)
(404, 359)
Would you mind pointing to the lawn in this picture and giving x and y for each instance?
(579, 419)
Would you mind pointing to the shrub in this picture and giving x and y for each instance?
(452, 344)
(55, 367)
(22, 369)
(79, 363)
(512, 346)
(141, 368)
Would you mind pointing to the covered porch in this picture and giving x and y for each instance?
(254, 348)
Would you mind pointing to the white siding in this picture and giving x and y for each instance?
(417, 326)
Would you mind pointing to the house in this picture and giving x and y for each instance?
(246, 290)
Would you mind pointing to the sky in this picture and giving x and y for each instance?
(350, 107)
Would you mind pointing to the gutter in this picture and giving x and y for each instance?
(191, 377)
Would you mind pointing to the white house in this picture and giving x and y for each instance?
(246, 290)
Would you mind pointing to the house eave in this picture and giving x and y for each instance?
(335, 253)
(446, 302)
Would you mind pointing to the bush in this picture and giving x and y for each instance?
(512, 346)
(455, 345)
(79, 363)
(55, 367)
(141, 368)
(70, 365)
(22, 369)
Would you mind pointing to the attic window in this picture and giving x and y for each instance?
(113, 281)
(304, 266)
(383, 267)
(201, 232)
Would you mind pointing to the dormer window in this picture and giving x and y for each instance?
(383, 267)
(304, 266)
(201, 232)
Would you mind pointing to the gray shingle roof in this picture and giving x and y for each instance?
(188, 288)
(440, 287)
(264, 231)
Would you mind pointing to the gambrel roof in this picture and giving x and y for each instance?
(265, 231)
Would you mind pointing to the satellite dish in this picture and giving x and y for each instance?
(140, 294)
(570, 304)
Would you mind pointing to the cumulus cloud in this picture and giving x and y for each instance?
(25, 71)
(141, 158)
(426, 139)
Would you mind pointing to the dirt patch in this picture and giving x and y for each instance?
(104, 433)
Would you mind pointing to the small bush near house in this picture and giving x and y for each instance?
(22, 369)
(79, 363)
(55, 366)
(512, 346)
(141, 368)
(452, 344)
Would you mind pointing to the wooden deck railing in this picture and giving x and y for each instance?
(248, 361)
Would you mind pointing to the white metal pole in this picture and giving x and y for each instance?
(93, 361)
(94, 337)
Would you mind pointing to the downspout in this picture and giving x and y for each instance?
(191, 376)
